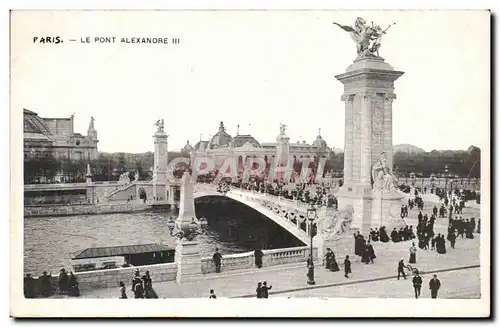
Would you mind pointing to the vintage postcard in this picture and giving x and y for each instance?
(250, 163)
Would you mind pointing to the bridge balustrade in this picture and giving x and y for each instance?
(242, 261)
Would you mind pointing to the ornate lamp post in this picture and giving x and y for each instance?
(311, 217)
(184, 230)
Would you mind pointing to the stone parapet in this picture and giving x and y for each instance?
(112, 277)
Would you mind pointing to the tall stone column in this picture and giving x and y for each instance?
(160, 164)
(366, 139)
(348, 136)
(388, 99)
(368, 92)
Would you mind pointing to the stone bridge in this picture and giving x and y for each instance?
(289, 214)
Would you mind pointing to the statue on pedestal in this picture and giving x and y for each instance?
(382, 177)
(368, 38)
(136, 175)
(282, 129)
(160, 125)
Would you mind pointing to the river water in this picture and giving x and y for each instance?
(50, 242)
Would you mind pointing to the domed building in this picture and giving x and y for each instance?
(222, 145)
(221, 139)
(319, 143)
(187, 149)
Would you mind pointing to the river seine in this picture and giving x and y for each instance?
(50, 242)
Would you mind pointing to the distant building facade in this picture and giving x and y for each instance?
(222, 145)
(44, 137)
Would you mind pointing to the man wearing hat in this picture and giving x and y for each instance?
(434, 286)
(401, 268)
(417, 284)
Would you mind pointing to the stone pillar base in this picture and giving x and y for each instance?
(342, 246)
(188, 258)
(372, 209)
(360, 200)
(386, 210)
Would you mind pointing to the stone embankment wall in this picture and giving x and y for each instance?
(111, 277)
(83, 209)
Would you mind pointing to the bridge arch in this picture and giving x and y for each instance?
(271, 213)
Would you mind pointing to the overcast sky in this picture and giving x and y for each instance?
(253, 68)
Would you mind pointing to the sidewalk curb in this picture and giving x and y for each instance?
(354, 282)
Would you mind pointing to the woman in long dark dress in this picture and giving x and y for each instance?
(333, 263)
(366, 254)
(383, 235)
(328, 258)
(358, 250)
(440, 245)
(149, 292)
(258, 254)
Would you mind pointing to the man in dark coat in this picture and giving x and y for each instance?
(434, 286)
(73, 290)
(417, 284)
(217, 258)
(258, 290)
(29, 287)
(45, 284)
(63, 282)
(258, 258)
(347, 267)
(401, 268)
(371, 251)
(265, 290)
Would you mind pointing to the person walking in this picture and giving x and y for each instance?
(347, 267)
(265, 290)
(149, 292)
(417, 284)
(434, 285)
(258, 290)
(137, 286)
(63, 282)
(217, 258)
(123, 293)
(258, 254)
(212, 295)
(413, 253)
(401, 268)
(29, 287)
(73, 289)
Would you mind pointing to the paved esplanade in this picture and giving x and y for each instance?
(373, 280)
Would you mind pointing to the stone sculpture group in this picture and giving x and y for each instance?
(368, 38)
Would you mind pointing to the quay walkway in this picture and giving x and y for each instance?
(290, 279)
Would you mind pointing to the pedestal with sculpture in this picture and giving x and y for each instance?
(186, 227)
(369, 185)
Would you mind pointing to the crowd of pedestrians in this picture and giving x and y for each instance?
(142, 287)
(46, 286)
